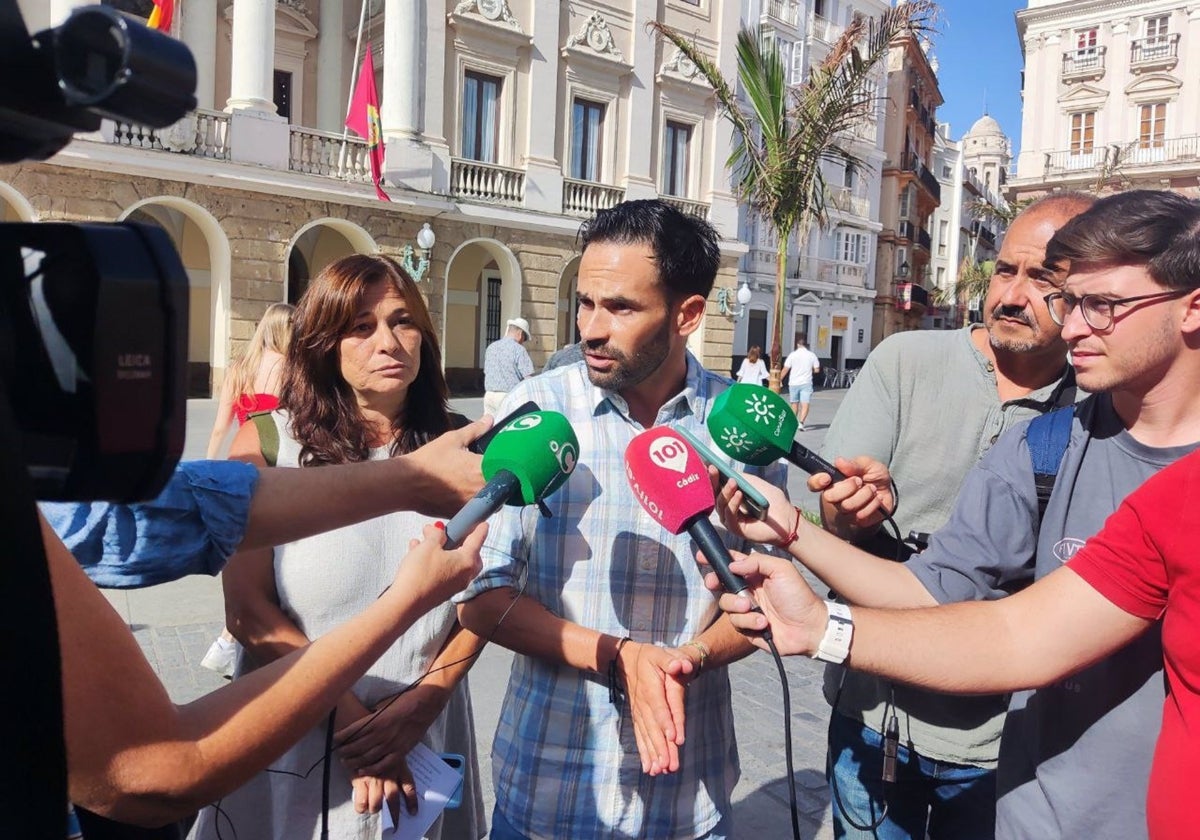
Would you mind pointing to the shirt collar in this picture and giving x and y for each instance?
(689, 400)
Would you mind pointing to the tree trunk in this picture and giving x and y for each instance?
(775, 383)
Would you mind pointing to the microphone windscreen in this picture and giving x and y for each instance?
(752, 424)
(539, 448)
(669, 478)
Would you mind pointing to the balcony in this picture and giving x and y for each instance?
(912, 297)
(1084, 64)
(911, 163)
(784, 11)
(585, 198)
(200, 133)
(824, 29)
(924, 240)
(686, 206)
(844, 200)
(475, 180)
(1160, 52)
(329, 155)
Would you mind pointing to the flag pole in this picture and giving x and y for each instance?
(362, 19)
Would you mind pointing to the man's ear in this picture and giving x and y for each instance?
(1191, 315)
(689, 314)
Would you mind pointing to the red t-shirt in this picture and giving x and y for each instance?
(1146, 561)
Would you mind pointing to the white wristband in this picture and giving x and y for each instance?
(835, 645)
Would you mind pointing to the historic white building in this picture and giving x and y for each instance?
(506, 123)
(830, 282)
(1111, 95)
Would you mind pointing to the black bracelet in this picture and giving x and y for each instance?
(615, 693)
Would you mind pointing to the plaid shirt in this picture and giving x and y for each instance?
(565, 761)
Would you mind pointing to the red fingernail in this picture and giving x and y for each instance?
(440, 525)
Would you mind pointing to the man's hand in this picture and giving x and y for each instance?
(796, 616)
(370, 794)
(655, 681)
(445, 473)
(858, 503)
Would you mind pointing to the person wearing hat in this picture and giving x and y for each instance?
(505, 363)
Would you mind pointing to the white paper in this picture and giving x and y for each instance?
(436, 782)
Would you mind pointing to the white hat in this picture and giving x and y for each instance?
(519, 323)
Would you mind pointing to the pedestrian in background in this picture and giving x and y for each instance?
(803, 365)
(753, 369)
(505, 363)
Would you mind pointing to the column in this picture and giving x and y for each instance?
(644, 111)
(199, 31)
(400, 108)
(333, 82)
(543, 169)
(256, 133)
(252, 75)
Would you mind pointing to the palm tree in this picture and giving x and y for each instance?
(783, 132)
(972, 284)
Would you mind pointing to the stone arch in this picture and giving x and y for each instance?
(316, 245)
(14, 207)
(204, 248)
(566, 324)
(481, 290)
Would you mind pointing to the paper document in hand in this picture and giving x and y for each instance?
(436, 782)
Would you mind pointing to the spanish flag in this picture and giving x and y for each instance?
(363, 119)
(160, 18)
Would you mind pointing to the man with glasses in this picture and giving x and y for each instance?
(1075, 756)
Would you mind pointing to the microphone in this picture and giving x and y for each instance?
(671, 481)
(754, 425)
(525, 462)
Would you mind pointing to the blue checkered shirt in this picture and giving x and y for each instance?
(505, 363)
(564, 760)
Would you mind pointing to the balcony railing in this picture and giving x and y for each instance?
(824, 29)
(327, 154)
(787, 11)
(585, 198)
(1154, 53)
(929, 181)
(201, 133)
(685, 205)
(479, 181)
(843, 199)
(924, 240)
(1087, 63)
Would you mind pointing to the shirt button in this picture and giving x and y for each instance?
(990, 367)
(647, 564)
(994, 438)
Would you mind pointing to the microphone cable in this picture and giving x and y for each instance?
(787, 736)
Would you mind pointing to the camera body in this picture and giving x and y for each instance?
(93, 317)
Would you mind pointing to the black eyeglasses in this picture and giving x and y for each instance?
(1098, 311)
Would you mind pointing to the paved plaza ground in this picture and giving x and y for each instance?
(175, 623)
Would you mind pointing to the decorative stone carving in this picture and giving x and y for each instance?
(596, 34)
(493, 10)
(299, 5)
(681, 65)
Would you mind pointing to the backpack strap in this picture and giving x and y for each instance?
(1047, 437)
(268, 436)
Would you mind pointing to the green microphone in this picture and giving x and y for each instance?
(525, 462)
(754, 425)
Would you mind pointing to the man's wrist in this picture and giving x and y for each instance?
(830, 640)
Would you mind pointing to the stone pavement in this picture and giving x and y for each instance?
(175, 623)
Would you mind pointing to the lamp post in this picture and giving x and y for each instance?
(742, 297)
(425, 241)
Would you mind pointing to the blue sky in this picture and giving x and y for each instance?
(979, 54)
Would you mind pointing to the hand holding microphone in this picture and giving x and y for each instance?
(525, 462)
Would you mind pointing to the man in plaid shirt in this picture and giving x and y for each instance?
(621, 650)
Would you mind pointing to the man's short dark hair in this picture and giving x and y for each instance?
(685, 248)
(1154, 228)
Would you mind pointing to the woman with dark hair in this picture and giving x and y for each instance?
(363, 380)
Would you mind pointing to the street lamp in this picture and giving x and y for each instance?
(425, 241)
(742, 297)
(902, 271)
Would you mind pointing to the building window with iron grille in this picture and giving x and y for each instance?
(1083, 133)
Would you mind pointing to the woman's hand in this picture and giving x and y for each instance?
(430, 573)
(782, 518)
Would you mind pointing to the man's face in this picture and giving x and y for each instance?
(1145, 337)
(625, 320)
(1015, 315)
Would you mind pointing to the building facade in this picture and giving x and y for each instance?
(830, 276)
(1111, 96)
(506, 122)
(910, 191)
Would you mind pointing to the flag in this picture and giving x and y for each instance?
(160, 18)
(363, 119)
